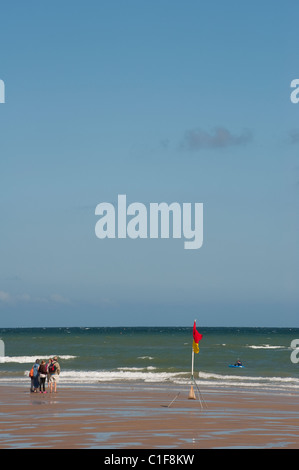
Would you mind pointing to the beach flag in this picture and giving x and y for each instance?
(196, 338)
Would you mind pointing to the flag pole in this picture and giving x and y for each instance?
(191, 393)
(192, 363)
(197, 337)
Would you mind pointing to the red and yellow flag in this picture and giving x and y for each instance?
(196, 338)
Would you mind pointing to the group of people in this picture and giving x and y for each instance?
(42, 371)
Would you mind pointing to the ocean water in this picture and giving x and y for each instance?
(156, 355)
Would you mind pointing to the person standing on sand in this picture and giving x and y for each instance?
(31, 379)
(35, 376)
(42, 376)
(54, 369)
(48, 373)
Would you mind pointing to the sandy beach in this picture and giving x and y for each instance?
(146, 417)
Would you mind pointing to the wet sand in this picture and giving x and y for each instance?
(138, 417)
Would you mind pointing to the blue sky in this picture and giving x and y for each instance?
(106, 98)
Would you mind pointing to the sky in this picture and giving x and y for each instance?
(162, 102)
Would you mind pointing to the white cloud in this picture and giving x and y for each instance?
(4, 296)
(23, 297)
(59, 299)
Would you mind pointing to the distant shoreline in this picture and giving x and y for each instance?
(203, 327)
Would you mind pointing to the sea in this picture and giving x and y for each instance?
(156, 356)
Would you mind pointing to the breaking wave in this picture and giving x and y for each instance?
(152, 375)
(29, 359)
(266, 346)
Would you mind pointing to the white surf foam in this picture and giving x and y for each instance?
(265, 346)
(31, 359)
